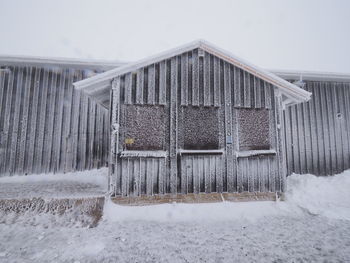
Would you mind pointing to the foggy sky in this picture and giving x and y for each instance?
(274, 34)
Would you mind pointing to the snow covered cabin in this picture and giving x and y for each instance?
(196, 119)
(77, 137)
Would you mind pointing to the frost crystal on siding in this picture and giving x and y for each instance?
(201, 128)
(254, 129)
(145, 127)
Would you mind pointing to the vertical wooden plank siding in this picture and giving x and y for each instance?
(50, 118)
(321, 146)
(5, 147)
(151, 85)
(257, 92)
(247, 90)
(203, 177)
(195, 78)
(24, 122)
(346, 114)
(184, 79)
(314, 151)
(343, 116)
(33, 121)
(39, 111)
(278, 128)
(128, 89)
(114, 184)
(200, 79)
(173, 124)
(57, 140)
(66, 152)
(139, 86)
(199, 82)
(16, 121)
(217, 84)
(228, 128)
(206, 76)
(76, 125)
(162, 83)
(237, 88)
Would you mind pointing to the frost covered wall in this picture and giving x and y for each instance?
(318, 132)
(47, 126)
(187, 87)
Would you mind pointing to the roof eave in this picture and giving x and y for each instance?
(59, 62)
(312, 75)
(133, 66)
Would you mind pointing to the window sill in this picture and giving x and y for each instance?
(255, 153)
(135, 154)
(199, 152)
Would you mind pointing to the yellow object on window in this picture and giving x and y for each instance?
(129, 140)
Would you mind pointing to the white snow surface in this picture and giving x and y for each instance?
(69, 185)
(312, 225)
(326, 196)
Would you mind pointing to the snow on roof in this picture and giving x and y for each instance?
(101, 81)
(312, 75)
(64, 62)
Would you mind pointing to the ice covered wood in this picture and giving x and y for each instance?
(46, 126)
(156, 154)
(210, 83)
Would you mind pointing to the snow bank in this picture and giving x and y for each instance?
(327, 196)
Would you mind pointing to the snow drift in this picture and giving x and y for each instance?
(328, 196)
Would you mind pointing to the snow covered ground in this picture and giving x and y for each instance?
(312, 225)
(70, 185)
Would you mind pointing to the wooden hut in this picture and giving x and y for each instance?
(194, 120)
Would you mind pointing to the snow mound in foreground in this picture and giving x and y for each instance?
(326, 196)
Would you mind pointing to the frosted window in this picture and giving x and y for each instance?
(144, 127)
(254, 132)
(201, 128)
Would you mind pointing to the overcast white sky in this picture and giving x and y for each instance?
(275, 34)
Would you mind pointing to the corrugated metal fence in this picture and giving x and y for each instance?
(46, 125)
(318, 132)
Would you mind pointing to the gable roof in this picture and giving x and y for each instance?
(100, 83)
